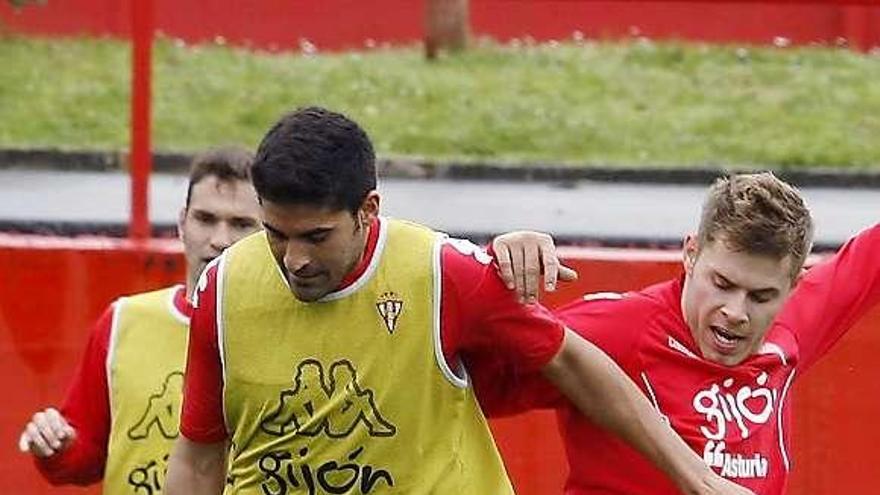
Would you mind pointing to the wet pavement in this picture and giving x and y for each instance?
(578, 212)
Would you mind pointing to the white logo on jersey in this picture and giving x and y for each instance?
(468, 248)
(721, 405)
(742, 408)
(735, 465)
(389, 305)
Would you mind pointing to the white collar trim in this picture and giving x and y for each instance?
(173, 309)
(371, 268)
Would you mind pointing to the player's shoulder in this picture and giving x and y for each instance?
(461, 256)
(145, 306)
(630, 307)
(149, 297)
(151, 304)
(464, 249)
(470, 271)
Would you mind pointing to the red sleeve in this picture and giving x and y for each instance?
(611, 323)
(832, 296)
(87, 408)
(484, 325)
(202, 416)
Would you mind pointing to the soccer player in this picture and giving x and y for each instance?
(326, 352)
(716, 350)
(121, 412)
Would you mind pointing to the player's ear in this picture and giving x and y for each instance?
(690, 250)
(369, 208)
(181, 218)
(802, 271)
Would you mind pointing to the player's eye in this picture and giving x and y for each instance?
(721, 283)
(760, 297)
(243, 224)
(204, 217)
(318, 237)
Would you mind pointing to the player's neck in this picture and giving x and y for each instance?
(190, 286)
(371, 237)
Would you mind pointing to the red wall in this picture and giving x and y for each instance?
(340, 24)
(51, 290)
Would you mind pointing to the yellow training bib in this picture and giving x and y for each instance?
(350, 394)
(145, 363)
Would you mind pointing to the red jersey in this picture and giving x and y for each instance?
(737, 418)
(86, 406)
(479, 318)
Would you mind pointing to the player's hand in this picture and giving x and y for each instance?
(523, 256)
(47, 434)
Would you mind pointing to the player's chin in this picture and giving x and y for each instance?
(726, 355)
(308, 292)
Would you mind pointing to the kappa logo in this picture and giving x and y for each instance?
(390, 305)
(334, 405)
(162, 412)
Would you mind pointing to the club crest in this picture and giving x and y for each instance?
(390, 305)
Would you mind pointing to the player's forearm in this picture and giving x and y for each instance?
(196, 469)
(601, 391)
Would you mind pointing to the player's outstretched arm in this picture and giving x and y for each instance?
(196, 468)
(832, 296)
(46, 434)
(523, 257)
(601, 391)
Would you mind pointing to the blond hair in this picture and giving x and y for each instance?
(758, 214)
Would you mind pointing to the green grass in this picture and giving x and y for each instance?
(638, 103)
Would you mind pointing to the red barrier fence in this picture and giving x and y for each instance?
(344, 24)
(51, 292)
(52, 289)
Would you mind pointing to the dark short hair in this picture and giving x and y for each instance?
(317, 157)
(226, 163)
(758, 214)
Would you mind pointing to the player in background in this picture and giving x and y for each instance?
(716, 350)
(121, 411)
